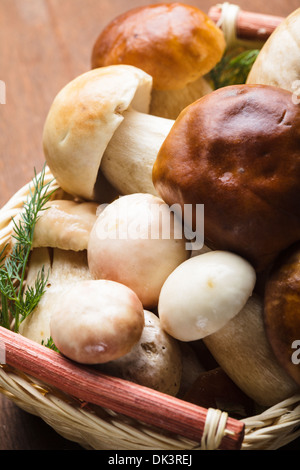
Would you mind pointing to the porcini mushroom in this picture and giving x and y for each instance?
(65, 224)
(203, 293)
(282, 310)
(176, 44)
(99, 121)
(63, 267)
(243, 351)
(210, 297)
(96, 321)
(237, 152)
(278, 61)
(137, 241)
(154, 361)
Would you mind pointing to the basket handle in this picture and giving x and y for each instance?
(243, 25)
(213, 429)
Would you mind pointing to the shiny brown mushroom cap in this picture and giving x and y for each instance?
(282, 311)
(174, 43)
(237, 151)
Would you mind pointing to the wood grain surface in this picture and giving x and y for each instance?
(43, 45)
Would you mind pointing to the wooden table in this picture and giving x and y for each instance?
(43, 45)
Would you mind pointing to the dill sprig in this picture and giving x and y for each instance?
(18, 300)
(50, 344)
(234, 68)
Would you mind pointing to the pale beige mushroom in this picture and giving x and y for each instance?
(210, 297)
(278, 62)
(203, 293)
(154, 362)
(243, 351)
(65, 224)
(137, 241)
(96, 321)
(62, 267)
(60, 248)
(99, 124)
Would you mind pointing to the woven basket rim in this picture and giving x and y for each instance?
(271, 429)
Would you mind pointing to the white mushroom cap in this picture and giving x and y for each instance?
(204, 293)
(134, 242)
(278, 61)
(83, 118)
(96, 321)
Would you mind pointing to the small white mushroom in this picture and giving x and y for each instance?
(204, 293)
(209, 298)
(137, 241)
(96, 321)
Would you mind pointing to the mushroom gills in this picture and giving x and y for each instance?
(169, 103)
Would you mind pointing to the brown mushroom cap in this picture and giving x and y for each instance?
(174, 43)
(237, 151)
(282, 310)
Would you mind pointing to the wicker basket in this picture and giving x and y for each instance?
(98, 427)
(95, 427)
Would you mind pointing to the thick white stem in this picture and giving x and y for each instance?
(65, 267)
(129, 157)
(242, 350)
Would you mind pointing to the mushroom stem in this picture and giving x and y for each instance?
(129, 157)
(242, 350)
(169, 103)
(64, 267)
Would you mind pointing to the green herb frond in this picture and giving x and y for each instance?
(234, 68)
(18, 301)
(33, 295)
(50, 344)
